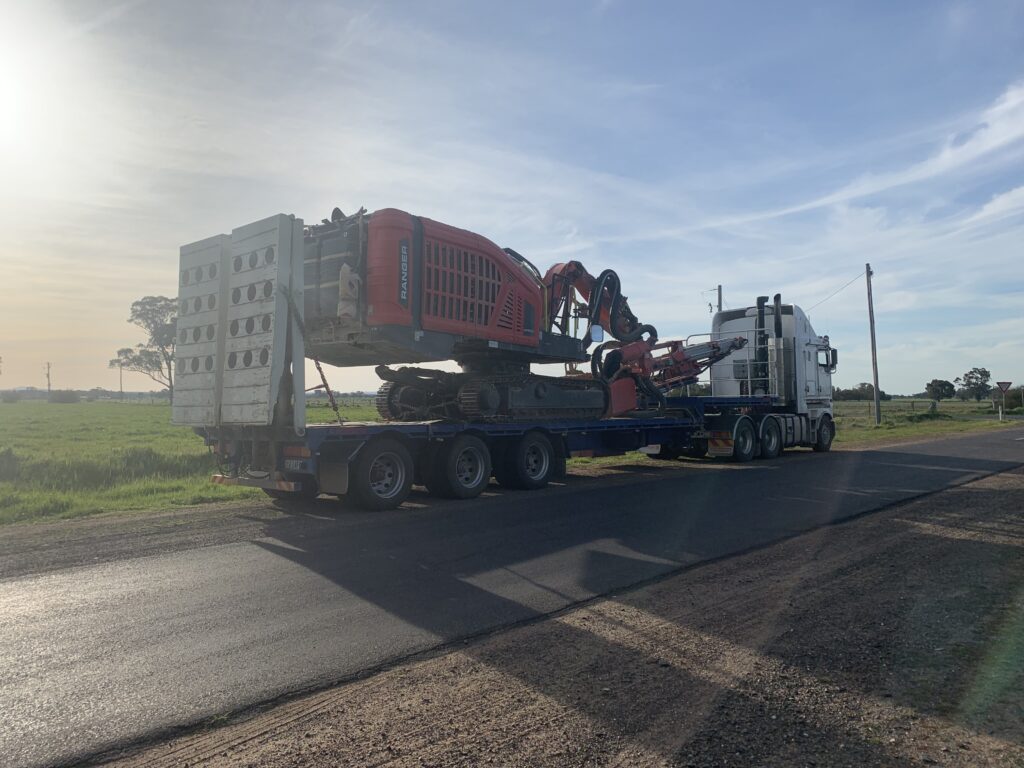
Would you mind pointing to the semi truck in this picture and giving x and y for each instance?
(388, 288)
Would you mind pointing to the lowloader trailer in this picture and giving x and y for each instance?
(243, 332)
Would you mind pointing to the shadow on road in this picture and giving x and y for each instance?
(458, 569)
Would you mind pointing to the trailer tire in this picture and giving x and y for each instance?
(459, 469)
(528, 463)
(744, 440)
(825, 435)
(771, 438)
(381, 475)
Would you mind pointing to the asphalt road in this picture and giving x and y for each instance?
(115, 631)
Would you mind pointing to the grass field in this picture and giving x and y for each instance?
(907, 419)
(70, 460)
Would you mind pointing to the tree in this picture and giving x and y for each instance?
(156, 315)
(940, 389)
(975, 382)
(863, 391)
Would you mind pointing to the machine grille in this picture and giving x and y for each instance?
(458, 284)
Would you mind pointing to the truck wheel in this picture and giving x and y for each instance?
(744, 443)
(460, 469)
(771, 438)
(826, 434)
(381, 475)
(528, 463)
(698, 448)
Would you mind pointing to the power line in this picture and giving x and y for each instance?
(836, 293)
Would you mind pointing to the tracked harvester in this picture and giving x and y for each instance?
(397, 291)
(389, 288)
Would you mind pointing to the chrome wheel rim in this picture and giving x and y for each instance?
(744, 441)
(536, 462)
(469, 467)
(387, 475)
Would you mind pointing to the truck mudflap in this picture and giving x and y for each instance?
(289, 486)
(720, 443)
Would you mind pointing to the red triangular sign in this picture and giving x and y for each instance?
(1004, 385)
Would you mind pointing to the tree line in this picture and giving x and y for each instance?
(973, 384)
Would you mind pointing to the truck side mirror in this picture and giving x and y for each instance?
(827, 359)
(596, 333)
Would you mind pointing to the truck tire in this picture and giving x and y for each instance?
(381, 475)
(744, 444)
(771, 438)
(826, 434)
(460, 469)
(528, 463)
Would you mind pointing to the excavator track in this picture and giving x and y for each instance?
(490, 398)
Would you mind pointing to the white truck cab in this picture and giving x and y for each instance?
(785, 359)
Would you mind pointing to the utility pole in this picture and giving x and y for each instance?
(719, 298)
(47, 378)
(874, 352)
(120, 374)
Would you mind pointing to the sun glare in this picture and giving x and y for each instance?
(16, 108)
(40, 101)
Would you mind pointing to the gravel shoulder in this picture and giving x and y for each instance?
(893, 639)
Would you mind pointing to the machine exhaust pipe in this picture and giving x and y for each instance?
(759, 335)
(760, 349)
(778, 315)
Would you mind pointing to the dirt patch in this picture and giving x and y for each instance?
(895, 639)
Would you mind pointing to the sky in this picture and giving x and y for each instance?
(766, 147)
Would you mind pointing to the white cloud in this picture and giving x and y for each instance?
(1001, 206)
(204, 133)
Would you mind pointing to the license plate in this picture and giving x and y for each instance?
(294, 465)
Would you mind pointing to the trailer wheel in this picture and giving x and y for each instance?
(381, 475)
(744, 439)
(771, 438)
(528, 463)
(698, 448)
(826, 434)
(460, 469)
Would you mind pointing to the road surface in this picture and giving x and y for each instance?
(116, 631)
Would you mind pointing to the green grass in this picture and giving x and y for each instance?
(70, 460)
(910, 419)
(351, 409)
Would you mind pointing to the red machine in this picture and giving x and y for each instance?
(389, 287)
